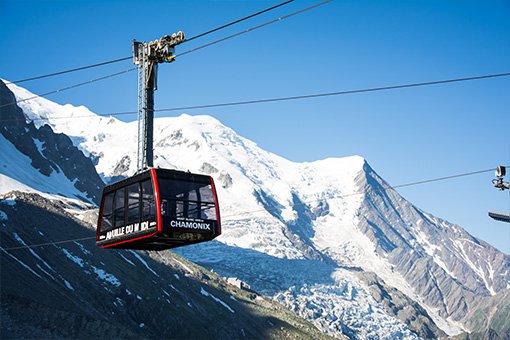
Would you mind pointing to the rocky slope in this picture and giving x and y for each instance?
(76, 290)
(491, 320)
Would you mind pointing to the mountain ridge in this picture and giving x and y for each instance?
(52, 154)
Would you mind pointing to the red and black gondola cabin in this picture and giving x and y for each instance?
(158, 209)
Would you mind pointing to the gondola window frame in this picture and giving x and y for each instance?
(148, 198)
(133, 210)
(118, 211)
(107, 222)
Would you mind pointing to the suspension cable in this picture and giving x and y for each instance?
(238, 21)
(225, 218)
(277, 99)
(177, 55)
(130, 57)
(254, 28)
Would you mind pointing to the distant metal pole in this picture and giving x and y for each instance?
(501, 185)
(147, 56)
(498, 182)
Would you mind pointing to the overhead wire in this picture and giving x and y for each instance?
(442, 178)
(131, 57)
(180, 54)
(392, 187)
(50, 243)
(255, 27)
(237, 21)
(71, 87)
(226, 217)
(280, 99)
(337, 93)
(69, 71)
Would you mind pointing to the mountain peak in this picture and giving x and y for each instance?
(341, 165)
(199, 119)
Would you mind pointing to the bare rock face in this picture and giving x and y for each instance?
(49, 152)
(491, 320)
(451, 269)
(208, 168)
(122, 167)
(225, 180)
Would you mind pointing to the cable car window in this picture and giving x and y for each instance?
(148, 203)
(133, 203)
(188, 199)
(188, 209)
(207, 211)
(206, 194)
(119, 211)
(107, 222)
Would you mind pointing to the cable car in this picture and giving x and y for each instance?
(158, 209)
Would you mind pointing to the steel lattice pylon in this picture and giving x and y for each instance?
(141, 163)
(147, 56)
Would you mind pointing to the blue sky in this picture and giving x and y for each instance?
(405, 135)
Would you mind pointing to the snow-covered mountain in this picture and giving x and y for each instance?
(329, 239)
(55, 283)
